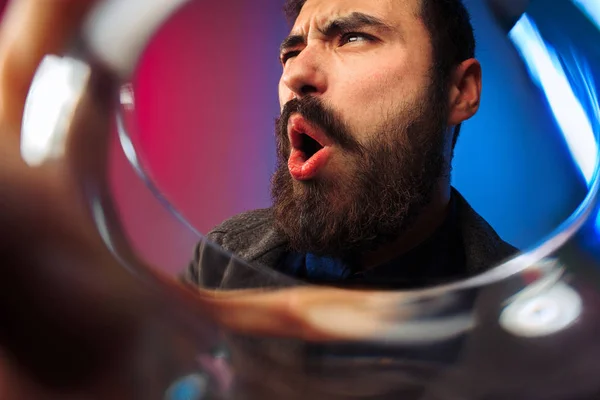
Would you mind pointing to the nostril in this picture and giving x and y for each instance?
(308, 89)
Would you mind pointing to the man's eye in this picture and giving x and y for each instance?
(353, 37)
(287, 55)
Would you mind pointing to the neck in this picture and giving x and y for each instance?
(429, 220)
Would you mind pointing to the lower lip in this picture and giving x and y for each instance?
(302, 169)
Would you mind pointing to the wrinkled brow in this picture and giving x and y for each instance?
(349, 23)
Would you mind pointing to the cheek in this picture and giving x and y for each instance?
(285, 94)
(369, 99)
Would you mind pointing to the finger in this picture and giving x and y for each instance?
(30, 30)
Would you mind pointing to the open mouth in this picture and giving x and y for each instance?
(310, 149)
(308, 145)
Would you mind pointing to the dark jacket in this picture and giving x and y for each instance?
(252, 237)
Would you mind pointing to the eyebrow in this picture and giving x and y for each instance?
(349, 23)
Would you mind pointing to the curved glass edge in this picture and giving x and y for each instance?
(211, 253)
(136, 162)
(111, 19)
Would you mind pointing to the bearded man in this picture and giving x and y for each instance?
(373, 94)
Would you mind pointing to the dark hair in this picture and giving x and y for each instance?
(450, 31)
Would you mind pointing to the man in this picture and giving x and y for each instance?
(372, 94)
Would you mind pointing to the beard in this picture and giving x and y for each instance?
(390, 179)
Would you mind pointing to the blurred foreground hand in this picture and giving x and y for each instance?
(66, 312)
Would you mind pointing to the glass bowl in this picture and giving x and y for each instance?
(523, 329)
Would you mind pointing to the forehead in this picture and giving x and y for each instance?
(393, 12)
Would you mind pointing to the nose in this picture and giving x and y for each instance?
(305, 74)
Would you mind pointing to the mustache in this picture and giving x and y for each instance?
(314, 111)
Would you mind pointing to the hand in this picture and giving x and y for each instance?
(66, 310)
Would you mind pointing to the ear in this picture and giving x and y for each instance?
(465, 92)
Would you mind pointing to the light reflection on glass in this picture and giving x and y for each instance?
(547, 72)
(591, 8)
(543, 308)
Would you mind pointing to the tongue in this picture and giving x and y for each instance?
(303, 168)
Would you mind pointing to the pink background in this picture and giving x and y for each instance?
(206, 99)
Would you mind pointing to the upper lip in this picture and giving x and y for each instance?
(298, 125)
